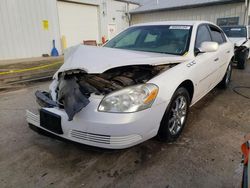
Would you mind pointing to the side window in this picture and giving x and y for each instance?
(202, 36)
(217, 35)
(150, 38)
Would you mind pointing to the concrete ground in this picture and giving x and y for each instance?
(15, 72)
(27, 61)
(206, 155)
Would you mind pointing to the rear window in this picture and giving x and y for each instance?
(235, 32)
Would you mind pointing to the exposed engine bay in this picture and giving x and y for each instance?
(76, 86)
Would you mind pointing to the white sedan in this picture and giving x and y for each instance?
(137, 86)
(239, 35)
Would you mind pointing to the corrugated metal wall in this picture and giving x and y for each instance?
(208, 13)
(22, 33)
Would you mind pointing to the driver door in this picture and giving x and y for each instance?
(205, 62)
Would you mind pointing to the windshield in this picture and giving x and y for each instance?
(169, 39)
(235, 32)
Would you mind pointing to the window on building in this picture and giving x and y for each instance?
(203, 35)
(228, 21)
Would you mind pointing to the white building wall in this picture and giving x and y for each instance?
(78, 22)
(21, 32)
(114, 13)
(208, 13)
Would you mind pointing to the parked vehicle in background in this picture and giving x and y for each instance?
(239, 35)
(138, 85)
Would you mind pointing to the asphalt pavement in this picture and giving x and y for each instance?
(206, 155)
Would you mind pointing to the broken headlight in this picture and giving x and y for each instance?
(130, 99)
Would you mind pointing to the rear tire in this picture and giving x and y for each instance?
(227, 77)
(175, 117)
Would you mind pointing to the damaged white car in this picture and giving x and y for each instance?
(239, 35)
(137, 86)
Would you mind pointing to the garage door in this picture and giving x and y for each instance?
(78, 22)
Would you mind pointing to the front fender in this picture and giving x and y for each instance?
(170, 80)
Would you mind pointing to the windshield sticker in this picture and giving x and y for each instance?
(235, 29)
(184, 27)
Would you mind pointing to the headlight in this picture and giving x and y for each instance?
(130, 99)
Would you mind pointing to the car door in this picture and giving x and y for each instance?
(222, 57)
(205, 62)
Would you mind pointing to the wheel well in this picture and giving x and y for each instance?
(188, 84)
(232, 59)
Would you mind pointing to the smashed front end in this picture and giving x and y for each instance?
(75, 87)
(73, 110)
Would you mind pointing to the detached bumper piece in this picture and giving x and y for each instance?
(43, 98)
(71, 97)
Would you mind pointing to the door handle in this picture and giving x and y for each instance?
(217, 59)
(228, 51)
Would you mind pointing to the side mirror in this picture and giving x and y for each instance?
(209, 47)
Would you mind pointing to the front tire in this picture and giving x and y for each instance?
(227, 77)
(175, 116)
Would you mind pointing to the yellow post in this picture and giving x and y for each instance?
(64, 43)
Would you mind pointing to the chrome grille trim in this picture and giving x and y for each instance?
(104, 139)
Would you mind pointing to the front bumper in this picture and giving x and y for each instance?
(106, 130)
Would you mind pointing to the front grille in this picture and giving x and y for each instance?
(32, 118)
(104, 139)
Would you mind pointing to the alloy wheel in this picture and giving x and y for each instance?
(178, 115)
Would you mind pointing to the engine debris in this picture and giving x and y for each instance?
(76, 86)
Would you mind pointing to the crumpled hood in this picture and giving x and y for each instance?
(99, 59)
(238, 41)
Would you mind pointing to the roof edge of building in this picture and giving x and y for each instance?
(128, 1)
(83, 2)
(186, 6)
